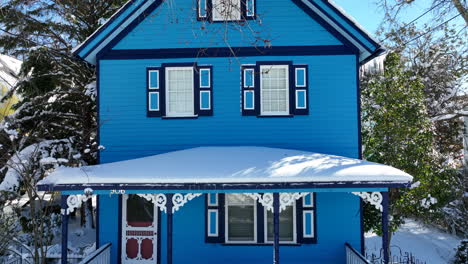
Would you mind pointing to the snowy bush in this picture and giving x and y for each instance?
(461, 257)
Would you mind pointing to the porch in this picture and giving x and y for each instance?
(276, 180)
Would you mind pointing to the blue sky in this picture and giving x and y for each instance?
(369, 15)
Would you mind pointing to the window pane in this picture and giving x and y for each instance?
(140, 212)
(238, 199)
(224, 10)
(275, 89)
(241, 223)
(286, 225)
(179, 97)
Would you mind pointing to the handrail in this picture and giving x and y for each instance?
(353, 256)
(102, 250)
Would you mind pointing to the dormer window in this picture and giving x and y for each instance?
(226, 10)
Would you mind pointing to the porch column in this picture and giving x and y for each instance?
(169, 206)
(385, 241)
(276, 214)
(64, 207)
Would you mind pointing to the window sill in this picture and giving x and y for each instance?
(180, 117)
(261, 244)
(267, 116)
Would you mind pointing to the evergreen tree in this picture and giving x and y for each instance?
(397, 131)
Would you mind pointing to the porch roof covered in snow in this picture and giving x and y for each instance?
(228, 168)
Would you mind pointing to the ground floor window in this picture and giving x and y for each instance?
(236, 218)
(287, 225)
(241, 218)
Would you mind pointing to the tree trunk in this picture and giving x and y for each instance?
(461, 9)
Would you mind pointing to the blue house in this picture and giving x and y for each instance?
(232, 135)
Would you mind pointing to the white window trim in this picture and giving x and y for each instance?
(149, 79)
(230, 18)
(305, 77)
(245, 78)
(245, 101)
(265, 227)
(168, 114)
(209, 78)
(312, 222)
(287, 112)
(226, 224)
(312, 201)
(149, 102)
(305, 98)
(216, 223)
(209, 200)
(251, 13)
(209, 100)
(204, 8)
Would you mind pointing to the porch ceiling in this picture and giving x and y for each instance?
(230, 166)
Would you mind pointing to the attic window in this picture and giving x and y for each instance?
(226, 10)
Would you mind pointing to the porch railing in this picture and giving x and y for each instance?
(100, 256)
(353, 256)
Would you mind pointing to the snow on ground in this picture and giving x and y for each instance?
(425, 243)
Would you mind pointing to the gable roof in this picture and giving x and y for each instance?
(333, 18)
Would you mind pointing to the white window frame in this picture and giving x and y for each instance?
(192, 113)
(250, 13)
(297, 99)
(204, 8)
(149, 101)
(226, 223)
(245, 101)
(245, 78)
(209, 78)
(305, 77)
(209, 100)
(149, 80)
(216, 224)
(216, 198)
(312, 201)
(312, 222)
(225, 18)
(287, 112)
(265, 227)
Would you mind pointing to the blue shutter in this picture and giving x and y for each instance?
(154, 92)
(306, 219)
(300, 91)
(204, 91)
(248, 91)
(214, 218)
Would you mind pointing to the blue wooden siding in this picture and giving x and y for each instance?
(331, 127)
(282, 22)
(108, 210)
(338, 221)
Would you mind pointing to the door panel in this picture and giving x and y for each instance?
(139, 230)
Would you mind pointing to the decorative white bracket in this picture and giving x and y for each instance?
(374, 198)
(75, 201)
(178, 200)
(286, 199)
(158, 199)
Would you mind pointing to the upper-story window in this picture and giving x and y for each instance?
(274, 89)
(179, 92)
(226, 10)
(182, 90)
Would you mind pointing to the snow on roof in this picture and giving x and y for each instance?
(9, 69)
(230, 165)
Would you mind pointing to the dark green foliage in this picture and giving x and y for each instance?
(461, 257)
